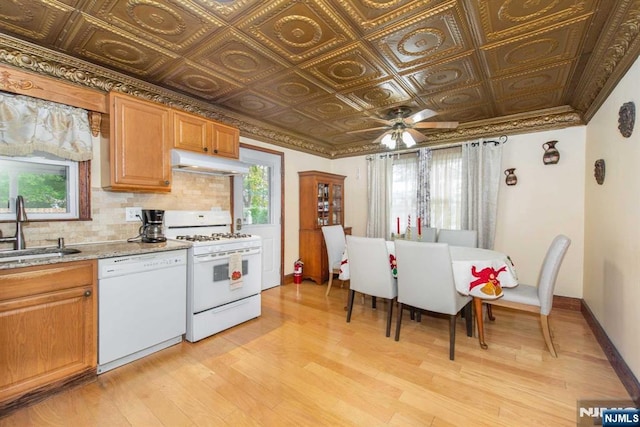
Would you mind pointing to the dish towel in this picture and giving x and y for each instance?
(235, 271)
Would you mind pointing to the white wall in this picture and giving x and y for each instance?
(612, 213)
(547, 200)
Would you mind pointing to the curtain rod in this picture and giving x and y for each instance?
(501, 140)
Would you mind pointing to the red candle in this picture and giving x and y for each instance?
(419, 228)
(398, 221)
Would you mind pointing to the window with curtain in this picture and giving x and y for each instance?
(404, 190)
(45, 150)
(446, 188)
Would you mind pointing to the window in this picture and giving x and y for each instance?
(255, 195)
(404, 190)
(49, 187)
(445, 173)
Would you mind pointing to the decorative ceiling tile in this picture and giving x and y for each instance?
(298, 30)
(198, 81)
(532, 81)
(328, 108)
(176, 25)
(465, 97)
(508, 18)
(557, 44)
(424, 39)
(96, 41)
(384, 94)
(461, 71)
(236, 56)
(534, 101)
(252, 103)
(39, 21)
(370, 15)
(291, 87)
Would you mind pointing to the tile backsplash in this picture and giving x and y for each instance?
(189, 191)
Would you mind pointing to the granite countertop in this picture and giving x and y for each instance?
(99, 251)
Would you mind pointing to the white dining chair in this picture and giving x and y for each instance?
(370, 273)
(428, 234)
(335, 243)
(467, 238)
(425, 281)
(538, 299)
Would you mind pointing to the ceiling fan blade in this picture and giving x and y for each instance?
(420, 116)
(436, 125)
(368, 129)
(417, 136)
(379, 120)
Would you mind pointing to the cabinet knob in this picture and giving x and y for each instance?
(167, 182)
(206, 149)
(87, 293)
(215, 151)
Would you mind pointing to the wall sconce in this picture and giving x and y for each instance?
(551, 154)
(511, 178)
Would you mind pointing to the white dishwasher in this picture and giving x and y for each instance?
(142, 302)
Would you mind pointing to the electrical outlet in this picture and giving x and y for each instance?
(133, 214)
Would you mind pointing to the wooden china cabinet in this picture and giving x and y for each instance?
(321, 203)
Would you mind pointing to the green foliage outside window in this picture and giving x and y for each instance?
(255, 195)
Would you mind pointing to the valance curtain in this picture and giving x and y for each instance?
(480, 183)
(379, 173)
(28, 125)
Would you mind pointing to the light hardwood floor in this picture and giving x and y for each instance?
(301, 364)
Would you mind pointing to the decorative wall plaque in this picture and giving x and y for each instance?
(598, 171)
(627, 118)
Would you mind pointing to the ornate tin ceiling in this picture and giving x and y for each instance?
(304, 73)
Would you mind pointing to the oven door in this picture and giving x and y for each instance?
(212, 286)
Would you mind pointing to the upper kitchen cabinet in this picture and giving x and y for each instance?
(196, 133)
(139, 144)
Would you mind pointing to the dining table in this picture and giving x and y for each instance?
(480, 273)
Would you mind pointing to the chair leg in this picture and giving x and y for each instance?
(452, 335)
(546, 332)
(468, 318)
(329, 285)
(389, 314)
(490, 313)
(352, 295)
(399, 321)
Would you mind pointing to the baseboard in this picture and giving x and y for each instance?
(567, 303)
(621, 368)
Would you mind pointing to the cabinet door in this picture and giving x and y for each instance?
(191, 132)
(226, 141)
(140, 135)
(49, 335)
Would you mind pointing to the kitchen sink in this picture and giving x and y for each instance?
(29, 254)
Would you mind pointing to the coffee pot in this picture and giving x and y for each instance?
(151, 230)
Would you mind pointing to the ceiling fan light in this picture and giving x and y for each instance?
(408, 139)
(387, 140)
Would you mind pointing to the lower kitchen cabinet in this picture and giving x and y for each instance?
(47, 330)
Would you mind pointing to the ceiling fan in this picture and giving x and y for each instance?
(401, 127)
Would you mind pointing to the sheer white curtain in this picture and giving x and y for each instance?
(446, 188)
(424, 186)
(29, 124)
(379, 172)
(480, 185)
(404, 203)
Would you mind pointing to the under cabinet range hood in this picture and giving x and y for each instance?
(188, 161)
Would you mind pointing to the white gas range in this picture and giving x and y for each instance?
(224, 271)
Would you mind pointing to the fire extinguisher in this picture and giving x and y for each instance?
(297, 271)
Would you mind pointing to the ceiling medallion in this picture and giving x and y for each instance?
(627, 118)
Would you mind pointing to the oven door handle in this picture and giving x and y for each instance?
(224, 255)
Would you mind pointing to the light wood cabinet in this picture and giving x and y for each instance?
(47, 329)
(195, 133)
(321, 203)
(139, 146)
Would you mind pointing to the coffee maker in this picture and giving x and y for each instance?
(151, 230)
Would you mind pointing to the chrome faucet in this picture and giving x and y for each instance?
(21, 216)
